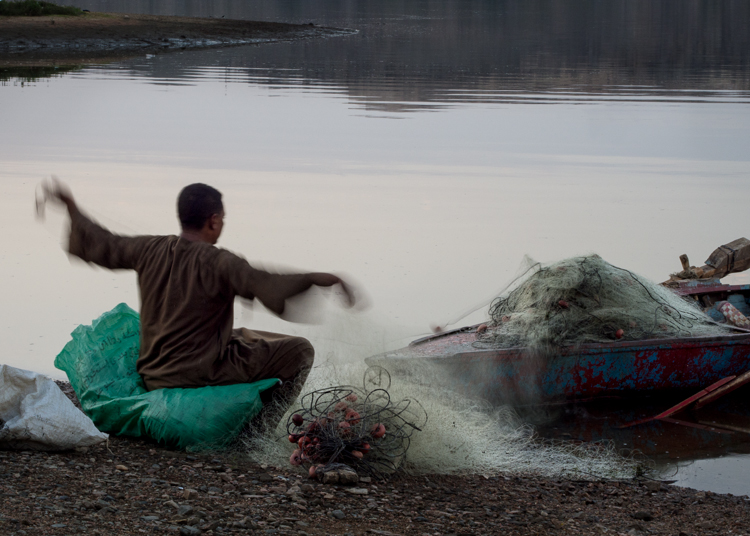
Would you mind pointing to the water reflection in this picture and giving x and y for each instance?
(431, 54)
(388, 95)
(34, 73)
(705, 449)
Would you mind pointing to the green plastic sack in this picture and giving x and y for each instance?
(100, 363)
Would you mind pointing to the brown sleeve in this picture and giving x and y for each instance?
(271, 289)
(93, 243)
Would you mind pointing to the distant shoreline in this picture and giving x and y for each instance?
(25, 40)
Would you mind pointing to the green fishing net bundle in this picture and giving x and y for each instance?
(587, 300)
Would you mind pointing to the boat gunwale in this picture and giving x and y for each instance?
(692, 290)
(587, 348)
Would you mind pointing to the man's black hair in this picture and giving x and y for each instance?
(196, 204)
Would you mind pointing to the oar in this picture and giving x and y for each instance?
(727, 388)
(684, 404)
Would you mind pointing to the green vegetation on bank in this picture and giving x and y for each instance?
(35, 8)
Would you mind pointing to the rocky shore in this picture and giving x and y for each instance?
(107, 34)
(131, 486)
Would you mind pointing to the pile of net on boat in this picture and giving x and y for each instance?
(587, 300)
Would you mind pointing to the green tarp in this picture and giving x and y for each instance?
(100, 364)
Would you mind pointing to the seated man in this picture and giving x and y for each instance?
(187, 289)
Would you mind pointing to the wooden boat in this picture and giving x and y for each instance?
(452, 360)
(620, 368)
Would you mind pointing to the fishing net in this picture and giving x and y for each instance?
(360, 427)
(587, 300)
(463, 435)
(467, 436)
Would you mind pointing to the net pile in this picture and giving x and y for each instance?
(361, 428)
(586, 300)
(462, 436)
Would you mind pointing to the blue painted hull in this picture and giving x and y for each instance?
(592, 370)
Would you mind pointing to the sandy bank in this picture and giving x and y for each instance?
(112, 34)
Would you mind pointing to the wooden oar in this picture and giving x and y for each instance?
(684, 404)
(727, 388)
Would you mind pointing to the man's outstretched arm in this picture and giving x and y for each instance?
(323, 279)
(274, 289)
(90, 241)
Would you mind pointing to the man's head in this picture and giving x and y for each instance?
(201, 211)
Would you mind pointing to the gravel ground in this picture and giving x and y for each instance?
(133, 486)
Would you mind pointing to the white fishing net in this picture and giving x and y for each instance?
(585, 300)
(462, 436)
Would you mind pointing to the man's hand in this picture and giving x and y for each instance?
(322, 279)
(56, 191)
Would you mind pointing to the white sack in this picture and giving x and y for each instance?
(37, 415)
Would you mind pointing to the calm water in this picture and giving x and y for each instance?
(708, 449)
(424, 155)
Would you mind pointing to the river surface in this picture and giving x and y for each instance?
(425, 155)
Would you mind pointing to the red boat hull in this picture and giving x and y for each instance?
(590, 370)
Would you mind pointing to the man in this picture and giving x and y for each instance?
(187, 289)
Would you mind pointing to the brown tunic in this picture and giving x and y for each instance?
(187, 294)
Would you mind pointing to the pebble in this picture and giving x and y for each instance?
(211, 526)
(340, 476)
(338, 514)
(190, 531)
(184, 510)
